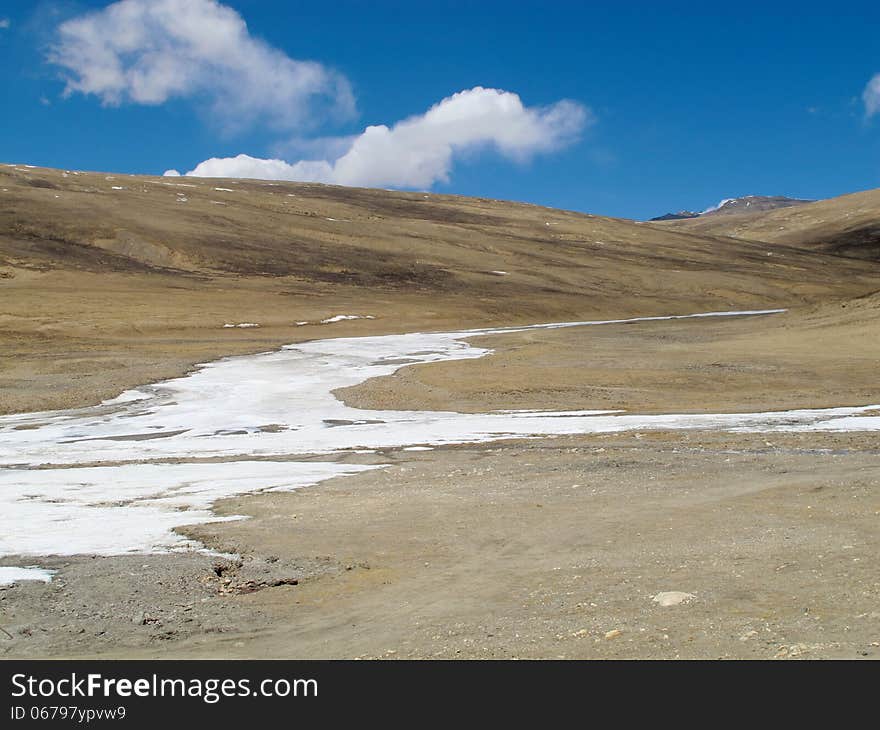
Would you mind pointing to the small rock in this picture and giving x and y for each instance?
(613, 634)
(139, 619)
(673, 598)
(795, 650)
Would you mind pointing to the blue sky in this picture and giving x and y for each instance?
(672, 105)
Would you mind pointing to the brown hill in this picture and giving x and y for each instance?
(847, 226)
(108, 281)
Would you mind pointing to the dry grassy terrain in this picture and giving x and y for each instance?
(820, 356)
(535, 548)
(847, 226)
(110, 281)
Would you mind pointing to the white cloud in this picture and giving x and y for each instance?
(419, 151)
(149, 51)
(261, 169)
(312, 148)
(4, 23)
(871, 96)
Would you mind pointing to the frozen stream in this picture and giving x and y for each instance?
(119, 477)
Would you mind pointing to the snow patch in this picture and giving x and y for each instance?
(341, 317)
(720, 205)
(10, 575)
(134, 508)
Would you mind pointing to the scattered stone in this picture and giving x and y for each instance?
(795, 650)
(613, 634)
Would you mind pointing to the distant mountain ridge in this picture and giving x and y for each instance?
(745, 204)
(681, 215)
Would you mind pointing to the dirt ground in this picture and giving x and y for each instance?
(542, 549)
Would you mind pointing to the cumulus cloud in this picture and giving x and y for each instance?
(419, 151)
(871, 96)
(4, 23)
(150, 51)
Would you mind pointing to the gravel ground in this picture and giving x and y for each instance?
(544, 548)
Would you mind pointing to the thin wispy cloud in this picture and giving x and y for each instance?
(151, 51)
(419, 151)
(4, 23)
(871, 96)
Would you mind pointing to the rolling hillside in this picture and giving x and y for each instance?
(108, 281)
(846, 226)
